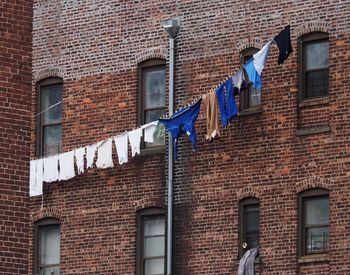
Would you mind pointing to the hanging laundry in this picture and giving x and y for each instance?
(135, 141)
(252, 74)
(66, 161)
(35, 177)
(121, 144)
(284, 44)
(90, 155)
(260, 57)
(50, 168)
(211, 111)
(149, 131)
(79, 159)
(238, 79)
(183, 122)
(227, 103)
(246, 264)
(104, 154)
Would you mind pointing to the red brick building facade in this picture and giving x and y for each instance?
(282, 157)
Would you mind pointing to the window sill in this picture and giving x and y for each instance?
(153, 151)
(313, 131)
(314, 101)
(313, 258)
(251, 111)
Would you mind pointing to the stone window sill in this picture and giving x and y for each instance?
(251, 111)
(313, 131)
(153, 151)
(313, 259)
(314, 101)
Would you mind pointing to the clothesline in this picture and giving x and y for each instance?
(62, 166)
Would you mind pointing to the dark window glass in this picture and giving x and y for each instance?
(152, 243)
(153, 97)
(249, 224)
(315, 65)
(50, 120)
(249, 97)
(314, 221)
(47, 247)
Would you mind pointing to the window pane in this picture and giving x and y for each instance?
(154, 115)
(49, 245)
(155, 266)
(52, 140)
(317, 55)
(154, 226)
(255, 97)
(154, 88)
(317, 240)
(252, 220)
(154, 246)
(252, 242)
(317, 211)
(51, 95)
(316, 83)
(51, 271)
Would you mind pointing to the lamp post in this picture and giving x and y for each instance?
(172, 27)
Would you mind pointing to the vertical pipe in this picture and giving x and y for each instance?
(170, 163)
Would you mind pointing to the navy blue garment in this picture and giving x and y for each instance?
(227, 103)
(183, 122)
(284, 44)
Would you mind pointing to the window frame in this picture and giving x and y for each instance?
(243, 204)
(140, 236)
(245, 94)
(36, 245)
(305, 39)
(146, 66)
(302, 197)
(40, 125)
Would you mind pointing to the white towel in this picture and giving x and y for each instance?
(90, 155)
(149, 131)
(35, 178)
(104, 154)
(135, 140)
(66, 165)
(79, 159)
(260, 57)
(121, 144)
(50, 168)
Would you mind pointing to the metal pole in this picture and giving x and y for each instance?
(170, 162)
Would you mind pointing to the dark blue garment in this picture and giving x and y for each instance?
(183, 122)
(253, 75)
(227, 104)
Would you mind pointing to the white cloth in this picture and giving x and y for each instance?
(50, 168)
(260, 57)
(149, 131)
(104, 154)
(79, 159)
(90, 155)
(121, 144)
(66, 161)
(35, 177)
(238, 79)
(135, 140)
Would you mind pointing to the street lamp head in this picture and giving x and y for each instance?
(172, 27)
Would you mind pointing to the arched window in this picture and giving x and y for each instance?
(151, 242)
(152, 96)
(250, 97)
(249, 218)
(47, 247)
(313, 212)
(314, 65)
(49, 118)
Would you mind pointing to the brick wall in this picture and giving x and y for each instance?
(15, 116)
(95, 47)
